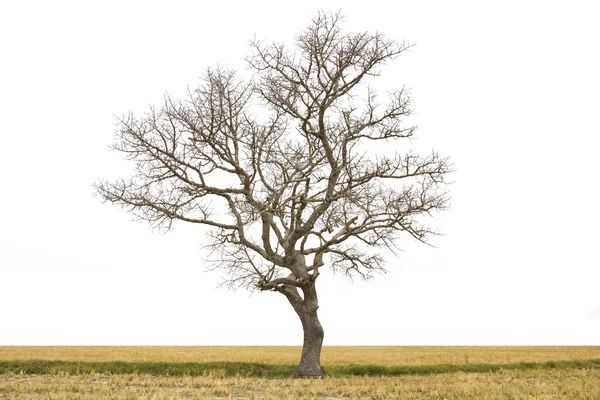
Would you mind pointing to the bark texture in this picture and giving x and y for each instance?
(310, 362)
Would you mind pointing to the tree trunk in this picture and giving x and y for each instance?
(310, 362)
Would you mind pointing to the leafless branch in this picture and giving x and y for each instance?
(294, 190)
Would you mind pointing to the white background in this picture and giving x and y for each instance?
(509, 91)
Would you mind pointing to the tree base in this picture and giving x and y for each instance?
(306, 372)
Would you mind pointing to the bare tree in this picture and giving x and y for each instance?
(294, 189)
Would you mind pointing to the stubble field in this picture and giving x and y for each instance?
(476, 373)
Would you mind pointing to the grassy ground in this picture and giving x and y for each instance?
(256, 370)
(234, 372)
(331, 355)
(540, 385)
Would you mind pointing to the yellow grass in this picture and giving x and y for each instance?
(564, 384)
(332, 355)
(506, 384)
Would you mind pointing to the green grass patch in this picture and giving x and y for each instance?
(225, 369)
(377, 370)
(43, 367)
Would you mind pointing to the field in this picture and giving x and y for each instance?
(331, 355)
(396, 372)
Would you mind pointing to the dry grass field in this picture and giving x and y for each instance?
(567, 384)
(331, 355)
(502, 384)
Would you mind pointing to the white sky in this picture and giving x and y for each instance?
(510, 92)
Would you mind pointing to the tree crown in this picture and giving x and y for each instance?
(299, 184)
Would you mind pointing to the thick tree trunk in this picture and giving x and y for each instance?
(310, 362)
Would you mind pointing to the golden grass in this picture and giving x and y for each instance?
(332, 355)
(504, 384)
(541, 385)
